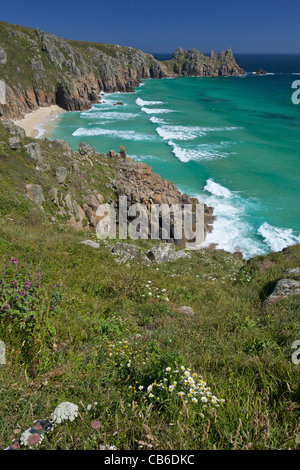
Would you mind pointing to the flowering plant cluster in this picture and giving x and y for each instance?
(182, 384)
(151, 291)
(126, 354)
(22, 295)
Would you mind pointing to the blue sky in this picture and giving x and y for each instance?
(161, 26)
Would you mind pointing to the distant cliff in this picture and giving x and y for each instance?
(40, 69)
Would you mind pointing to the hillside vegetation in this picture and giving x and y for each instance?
(112, 338)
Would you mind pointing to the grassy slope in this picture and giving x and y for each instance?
(242, 349)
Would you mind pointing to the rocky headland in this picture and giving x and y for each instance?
(38, 69)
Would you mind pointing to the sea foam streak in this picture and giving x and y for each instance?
(141, 102)
(168, 132)
(157, 120)
(200, 152)
(217, 189)
(278, 238)
(126, 135)
(157, 110)
(231, 229)
(112, 116)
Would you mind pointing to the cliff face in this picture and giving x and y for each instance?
(40, 69)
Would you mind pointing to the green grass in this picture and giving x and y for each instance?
(241, 348)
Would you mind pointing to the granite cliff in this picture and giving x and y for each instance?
(40, 69)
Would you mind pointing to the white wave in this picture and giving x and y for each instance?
(217, 189)
(156, 110)
(200, 152)
(113, 115)
(178, 132)
(142, 158)
(231, 229)
(141, 102)
(296, 73)
(168, 132)
(125, 135)
(157, 120)
(278, 238)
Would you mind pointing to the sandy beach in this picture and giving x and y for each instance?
(34, 122)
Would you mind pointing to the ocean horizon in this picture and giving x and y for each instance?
(232, 142)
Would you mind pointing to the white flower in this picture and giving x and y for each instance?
(168, 369)
(89, 407)
(64, 411)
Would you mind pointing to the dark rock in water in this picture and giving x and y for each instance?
(118, 103)
(261, 72)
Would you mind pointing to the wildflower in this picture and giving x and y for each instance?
(168, 369)
(194, 400)
(64, 411)
(96, 424)
(204, 399)
(141, 387)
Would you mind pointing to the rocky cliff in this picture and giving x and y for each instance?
(70, 187)
(40, 69)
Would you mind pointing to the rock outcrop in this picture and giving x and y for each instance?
(71, 74)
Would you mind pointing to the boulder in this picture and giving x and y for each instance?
(61, 174)
(186, 310)
(90, 243)
(15, 143)
(34, 152)
(283, 288)
(35, 193)
(3, 58)
(129, 253)
(165, 252)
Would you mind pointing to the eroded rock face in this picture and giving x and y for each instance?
(71, 75)
(284, 288)
(13, 129)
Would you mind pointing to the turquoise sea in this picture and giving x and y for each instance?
(233, 142)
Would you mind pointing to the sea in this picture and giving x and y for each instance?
(232, 142)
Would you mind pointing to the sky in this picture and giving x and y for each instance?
(159, 26)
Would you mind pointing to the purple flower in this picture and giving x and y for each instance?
(96, 424)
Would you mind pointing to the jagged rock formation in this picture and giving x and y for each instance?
(78, 188)
(40, 69)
